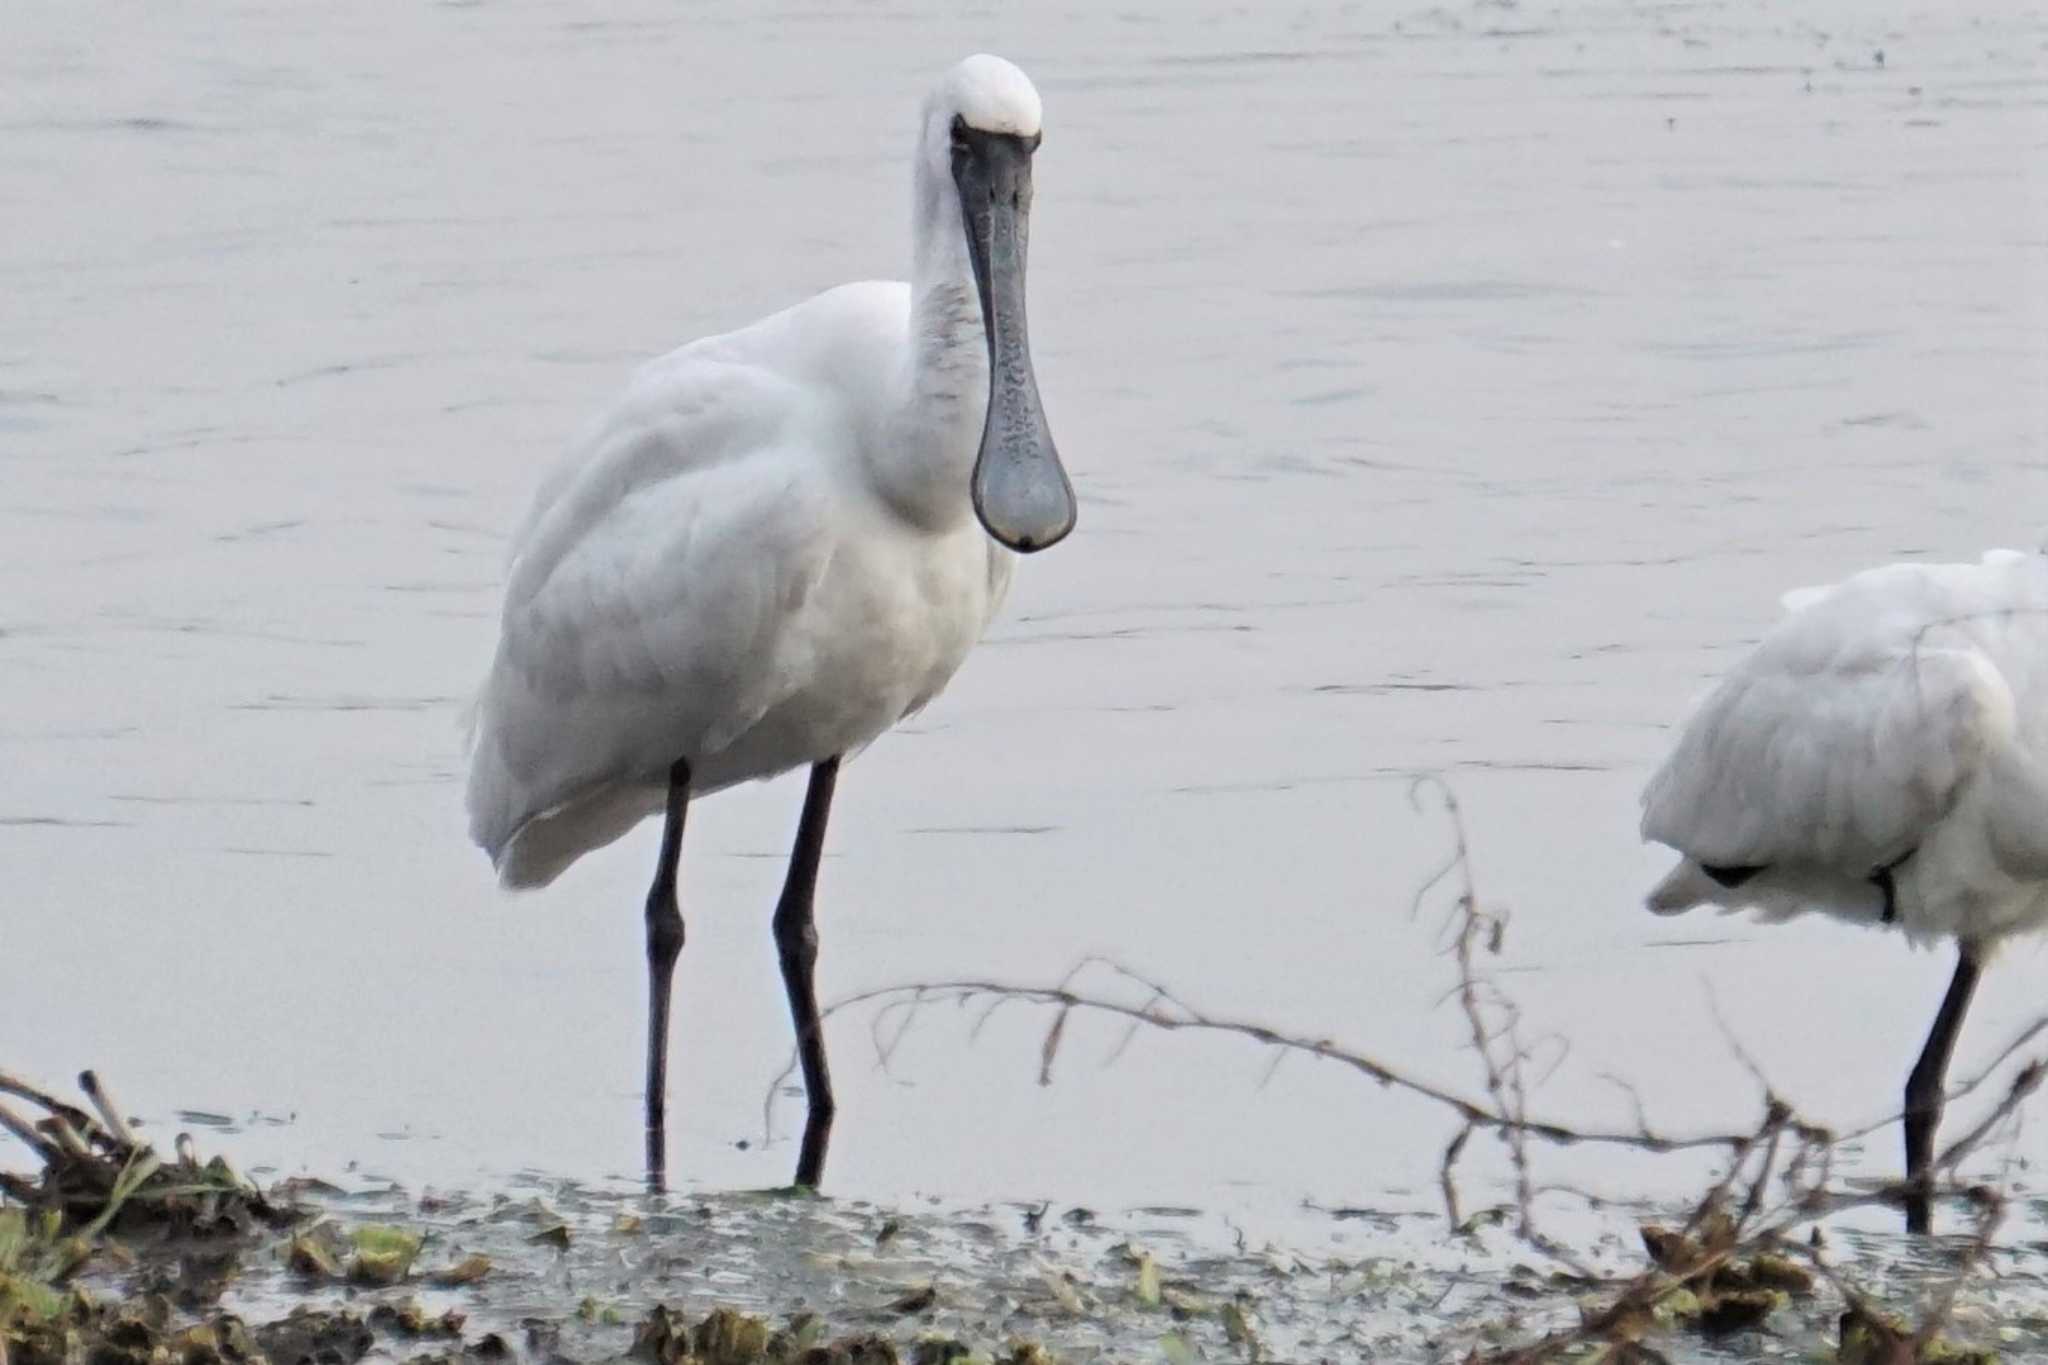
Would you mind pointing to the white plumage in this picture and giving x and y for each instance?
(1879, 757)
(776, 545)
(716, 572)
(1900, 715)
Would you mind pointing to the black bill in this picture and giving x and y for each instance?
(1021, 491)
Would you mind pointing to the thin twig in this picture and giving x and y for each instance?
(46, 1151)
(110, 1113)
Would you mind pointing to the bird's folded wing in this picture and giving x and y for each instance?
(646, 616)
(1835, 758)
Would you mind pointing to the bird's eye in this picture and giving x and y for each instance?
(959, 133)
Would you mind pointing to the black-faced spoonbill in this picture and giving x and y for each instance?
(776, 545)
(1879, 757)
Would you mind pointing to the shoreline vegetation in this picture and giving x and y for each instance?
(111, 1254)
(161, 1242)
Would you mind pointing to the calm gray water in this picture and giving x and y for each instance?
(1448, 389)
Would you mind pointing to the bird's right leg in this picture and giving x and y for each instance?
(1924, 1092)
(664, 945)
(796, 944)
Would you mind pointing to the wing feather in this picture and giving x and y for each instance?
(649, 599)
(1844, 738)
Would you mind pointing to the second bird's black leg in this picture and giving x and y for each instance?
(1924, 1092)
(796, 943)
(664, 945)
(1885, 879)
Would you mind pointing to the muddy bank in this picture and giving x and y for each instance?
(557, 1273)
(112, 1254)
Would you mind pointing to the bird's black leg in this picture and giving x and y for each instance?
(1888, 885)
(664, 945)
(1924, 1092)
(796, 942)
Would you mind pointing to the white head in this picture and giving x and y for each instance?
(986, 93)
(981, 128)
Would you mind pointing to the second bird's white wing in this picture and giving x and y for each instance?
(1853, 729)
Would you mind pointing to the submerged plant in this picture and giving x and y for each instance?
(97, 1175)
(35, 1260)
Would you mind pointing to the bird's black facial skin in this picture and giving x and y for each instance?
(1021, 492)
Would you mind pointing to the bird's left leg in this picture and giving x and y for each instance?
(1924, 1091)
(796, 943)
(664, 945)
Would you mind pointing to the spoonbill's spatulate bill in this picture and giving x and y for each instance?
(1880, 757)
(776, 545)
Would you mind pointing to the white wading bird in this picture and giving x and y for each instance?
(776, 545)
(1879, 757)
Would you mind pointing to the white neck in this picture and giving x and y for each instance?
(927, 456)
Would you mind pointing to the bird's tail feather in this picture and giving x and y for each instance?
(544, 845)
(1684, 887)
